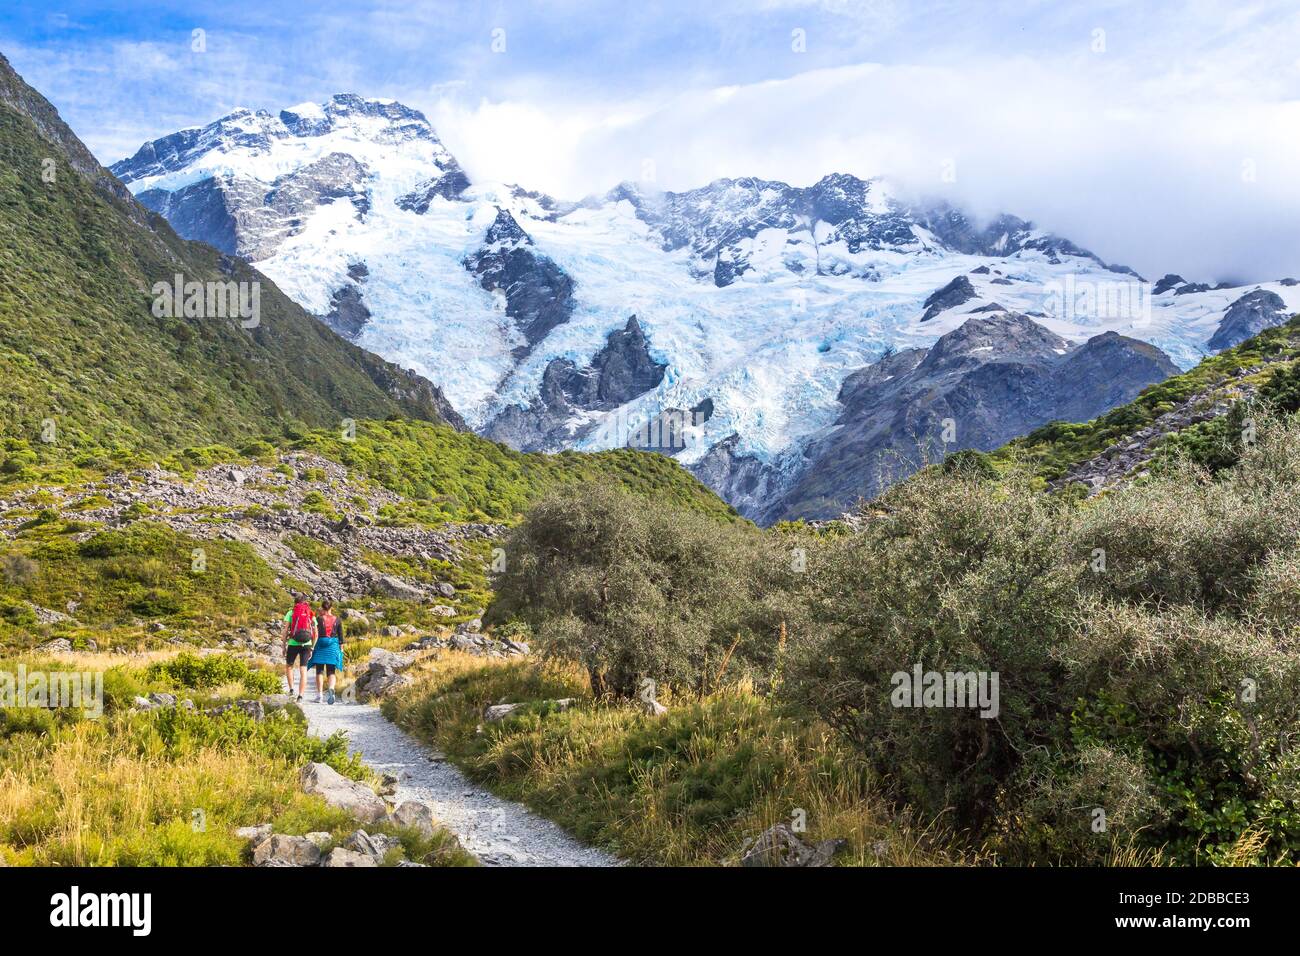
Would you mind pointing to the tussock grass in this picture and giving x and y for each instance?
(684, 789)
(165, 787)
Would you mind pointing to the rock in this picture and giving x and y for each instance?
(320, 838)
(446, 590)
(236, 476)
(276, 701)
(498, 711)
(356, 617)
(253, 708)
(654, 708)
(279, 850)
(390, 660)
(392, 630)
(256, 834)
(443, 610)
(340, 856)
(395, 587)
(374, 845)
(388, 784)
(60, 645)
(163, 700)
(142, 703)
(516, 647)
(955, 293)
(1249, 315)
(409, 863)
(413, 813)
(338, 791)
(779, 846)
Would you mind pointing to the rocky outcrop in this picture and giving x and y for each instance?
(450, 182)
(957, 292)
(986, 382)
(382, 674)
(348, 315)
(245, 217)
(622, 370)
(1248, 316)
(538, 293)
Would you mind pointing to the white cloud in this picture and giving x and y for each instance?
(1178, 171)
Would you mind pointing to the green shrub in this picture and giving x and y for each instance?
(212, 670)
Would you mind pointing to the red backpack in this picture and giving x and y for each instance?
(300, 624)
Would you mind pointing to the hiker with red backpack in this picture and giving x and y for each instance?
(299, 641)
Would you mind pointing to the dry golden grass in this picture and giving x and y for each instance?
(684, 789)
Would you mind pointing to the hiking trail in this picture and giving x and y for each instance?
(499, 832)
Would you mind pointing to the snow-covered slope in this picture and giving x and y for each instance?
(756, 299)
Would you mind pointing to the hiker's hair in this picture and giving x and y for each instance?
(326, 604)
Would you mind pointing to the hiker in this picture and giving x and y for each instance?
(327, 657)
(299, 638)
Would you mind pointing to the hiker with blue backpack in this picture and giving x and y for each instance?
(327, 656)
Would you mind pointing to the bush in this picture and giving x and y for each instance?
(1142, 643)
(213, 670)
(636, 593)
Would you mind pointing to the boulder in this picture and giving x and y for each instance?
(339, 856)
(443, 610)
(373, 845)
(413, 813)
(163, 700)
(338, 791)
(446, 590)
(279, 850)
(498, 711)
(60, 645)
(320, 838)
(779, 846)
(395, 587)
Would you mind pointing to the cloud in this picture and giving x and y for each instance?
(1170, 174)
(1162, 136)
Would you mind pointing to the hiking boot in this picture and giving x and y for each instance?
(330, 697)
(320, 698)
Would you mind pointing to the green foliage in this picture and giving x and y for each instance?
(318, 553)
(80, 346)
(212, 670)
(636, 593)
(143, 570)
(458, 476)
(1123, 633)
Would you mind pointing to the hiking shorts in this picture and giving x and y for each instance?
(297, 652)
(327, 668)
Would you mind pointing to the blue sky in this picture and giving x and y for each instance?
(1166, 135)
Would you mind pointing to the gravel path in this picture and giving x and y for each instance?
(498, 832)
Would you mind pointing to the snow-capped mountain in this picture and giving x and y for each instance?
(727, 324)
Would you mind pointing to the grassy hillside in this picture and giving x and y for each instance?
(457, 476)
(80, 346)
